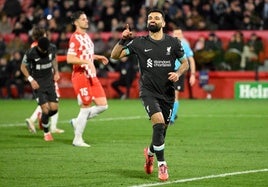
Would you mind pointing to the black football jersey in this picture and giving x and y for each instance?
(156, 59)
(40, 65)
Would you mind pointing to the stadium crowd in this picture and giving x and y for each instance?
(112, 15)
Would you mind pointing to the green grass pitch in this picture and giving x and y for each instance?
(213, 143)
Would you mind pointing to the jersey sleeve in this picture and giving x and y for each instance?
(26, 58)
(179, 50)
(54, 50)
(128, 48)
(73, 46)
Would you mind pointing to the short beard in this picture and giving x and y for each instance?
(154, 28)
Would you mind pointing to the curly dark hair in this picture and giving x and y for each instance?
(38, 32)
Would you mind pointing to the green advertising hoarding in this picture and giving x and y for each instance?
(251, 90)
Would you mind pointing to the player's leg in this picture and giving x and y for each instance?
(45, 121)
(35, 113)
(30, 121)
(55, 117)
(79, 124)
(179, 87)
(175, 108)
(159, 121)
(100, 99)
(54, 122)
(43, 97)
(83, 91)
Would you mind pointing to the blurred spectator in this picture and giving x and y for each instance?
(2, 46)
(170, 12)
(84, 6)
(99, 44)
(198, 21)
(43, 23)
(12, 8)
(251, 52)
(124, 11)
(50, 8)
(251, 18)
(114, 38)
(16, 44)
(18, 29)
(4, 75)
(207, 13)
(60, 20)
(130, 22)
(66, 10)
(213, 45)
(115, 24)
(5, 24)
(232, 18)
(219, 8)
(24, 23)
(62, 43)
(265, 14)
(234, 50)
(37, 15)
(140, 19)
(208, 52)
(52, 25)
(15, 76)
(127, 69)
(108, 14)
(200, 43)
(189, 23)
(178, 20)
(150, 4)
(141, 24)
(247, 24)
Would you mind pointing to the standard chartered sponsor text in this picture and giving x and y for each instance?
(162, 63)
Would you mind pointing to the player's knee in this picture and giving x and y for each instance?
(158, 134)
(86, 101)
(103, 108)
(52, 112)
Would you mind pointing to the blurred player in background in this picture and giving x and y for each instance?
(37, 33)
(86, 84)
(40, 67)
(179, 85)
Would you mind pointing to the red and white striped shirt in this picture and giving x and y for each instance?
(82, 47)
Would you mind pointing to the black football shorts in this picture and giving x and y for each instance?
(153, 105)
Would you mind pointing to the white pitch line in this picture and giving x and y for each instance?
(202, 178)
(18, 124)
(142, 117)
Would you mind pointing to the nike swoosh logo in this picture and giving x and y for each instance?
(147, 50)
(36, 59)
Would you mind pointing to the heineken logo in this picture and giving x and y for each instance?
(251, 90)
